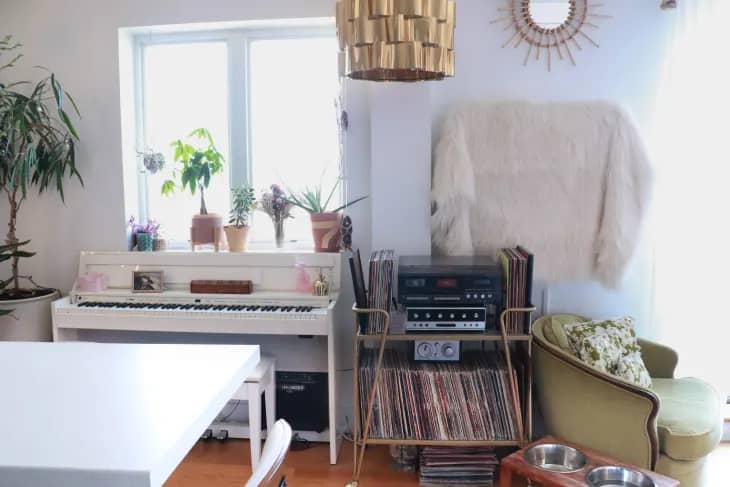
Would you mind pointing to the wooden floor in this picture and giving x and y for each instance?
(213, 464)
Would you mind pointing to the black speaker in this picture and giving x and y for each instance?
(301, 399)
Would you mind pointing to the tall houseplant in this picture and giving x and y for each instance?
(37, 152)
(325, 222)
(243, 201)
(198, 164)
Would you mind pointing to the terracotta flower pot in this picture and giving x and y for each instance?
(237, 238)
(326, 231)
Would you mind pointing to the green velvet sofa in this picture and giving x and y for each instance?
(669, 428)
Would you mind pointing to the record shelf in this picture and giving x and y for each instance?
(522, 398)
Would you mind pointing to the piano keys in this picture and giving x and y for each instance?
(274, 308)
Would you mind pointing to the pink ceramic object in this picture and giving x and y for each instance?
(304, 282)
(206, 229)
(93, 282)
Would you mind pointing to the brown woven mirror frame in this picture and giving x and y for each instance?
(550, 43)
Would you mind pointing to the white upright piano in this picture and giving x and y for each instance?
(273, 308)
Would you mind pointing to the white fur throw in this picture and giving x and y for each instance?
(571, 182)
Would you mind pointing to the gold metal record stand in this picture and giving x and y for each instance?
(521, 403)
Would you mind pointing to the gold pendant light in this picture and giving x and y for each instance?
(396, 40)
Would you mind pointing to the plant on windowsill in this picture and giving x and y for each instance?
(275, 204)
(326, 224)
(243, 202)
(37, 151)
(198, 165)
(143, 237)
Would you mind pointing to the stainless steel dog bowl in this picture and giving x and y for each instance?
(555, 458)
(617, 477)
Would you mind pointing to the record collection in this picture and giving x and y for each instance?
(517, 268)
(380, 292)
(470, 400)
(457, 466)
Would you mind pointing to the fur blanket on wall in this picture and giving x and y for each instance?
(571, 182)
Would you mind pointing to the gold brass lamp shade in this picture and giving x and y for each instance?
(396, 40)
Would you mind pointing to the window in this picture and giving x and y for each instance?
(268, 99)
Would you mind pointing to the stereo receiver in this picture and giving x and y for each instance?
(446, 319)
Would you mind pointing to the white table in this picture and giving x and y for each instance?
(112, 415)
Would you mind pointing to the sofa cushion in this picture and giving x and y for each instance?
(555, 333)
(611, 347)
(690, 420)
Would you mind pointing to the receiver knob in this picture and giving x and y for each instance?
(448, 351)
(425, 350)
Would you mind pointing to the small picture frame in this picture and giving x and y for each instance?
(147, 282)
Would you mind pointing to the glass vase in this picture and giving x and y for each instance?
(279, 233)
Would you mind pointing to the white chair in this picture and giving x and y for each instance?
(261, 381)
(278, 440)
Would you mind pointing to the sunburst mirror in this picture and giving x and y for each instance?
(550, 29)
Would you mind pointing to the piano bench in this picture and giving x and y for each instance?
(262, 381)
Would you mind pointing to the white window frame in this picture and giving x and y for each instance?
(238, 43)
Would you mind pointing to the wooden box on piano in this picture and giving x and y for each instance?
(207, 286)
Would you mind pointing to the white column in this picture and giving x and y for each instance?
(400, 184)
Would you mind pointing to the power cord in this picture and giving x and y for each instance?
(298, 443)
(223, 418)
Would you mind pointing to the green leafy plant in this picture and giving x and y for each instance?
(243, 202)
(312, 200)
(199, 164)
(12, 251)
(37, 150)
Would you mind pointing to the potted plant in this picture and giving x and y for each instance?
(197, 166)
(37, 151)
(242, 202)
(325, 223)
(143, 236)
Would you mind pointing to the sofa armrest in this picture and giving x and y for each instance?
(600, 411)
(660, 360)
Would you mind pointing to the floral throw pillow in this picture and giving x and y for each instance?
(631, 368)
(610, 346)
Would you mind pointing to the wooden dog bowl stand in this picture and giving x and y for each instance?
(516, 465)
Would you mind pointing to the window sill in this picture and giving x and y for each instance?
(255, 246)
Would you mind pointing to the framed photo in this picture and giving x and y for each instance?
(147, 282)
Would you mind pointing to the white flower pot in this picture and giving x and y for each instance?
(31, 320)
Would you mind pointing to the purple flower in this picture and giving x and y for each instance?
(151, 228)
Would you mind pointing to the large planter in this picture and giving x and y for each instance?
(326, 231)
(31, 320)
(237, 238)
(206, 229)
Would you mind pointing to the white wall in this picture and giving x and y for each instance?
(79, 41)
(626, 69)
